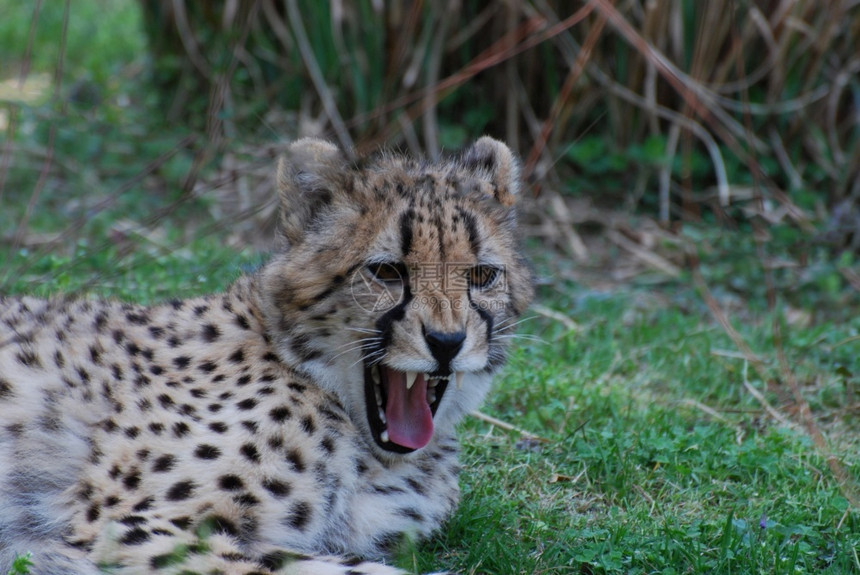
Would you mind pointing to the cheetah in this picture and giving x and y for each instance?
(302, 421)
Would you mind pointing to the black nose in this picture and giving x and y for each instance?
(444, 347)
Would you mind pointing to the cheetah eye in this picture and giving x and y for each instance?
(387, 272)
(484, 276)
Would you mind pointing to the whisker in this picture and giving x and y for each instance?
(363, 344)
(509, 323)
(522, 336)
(363, 329)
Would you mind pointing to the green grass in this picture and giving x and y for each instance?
(21, 565)
(101, 38)
(635, 477)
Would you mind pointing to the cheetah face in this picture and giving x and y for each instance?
(400, 284)
(437, 334)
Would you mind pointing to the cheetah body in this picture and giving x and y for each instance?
(238, 433)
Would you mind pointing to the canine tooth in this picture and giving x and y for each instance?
(374, 373)
(411, 376)
(384, 436)
(431, 395)
(459, 380)
(382, 415)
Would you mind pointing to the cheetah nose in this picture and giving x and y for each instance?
(444, 347)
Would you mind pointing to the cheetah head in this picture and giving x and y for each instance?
(399, 283)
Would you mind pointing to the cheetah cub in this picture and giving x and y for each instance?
(302, 422)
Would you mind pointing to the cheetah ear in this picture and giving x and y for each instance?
(310, 173)
(493, 161)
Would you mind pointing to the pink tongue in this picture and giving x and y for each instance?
(410, 422)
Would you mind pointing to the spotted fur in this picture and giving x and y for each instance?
(243, 433)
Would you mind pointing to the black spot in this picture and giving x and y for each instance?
(156, 428)
(181, 522)
(210, 333)
(132, 432)
(279, 414)
(270, 356)
(180, 490)
(207, 366)
(180, 429)
(29, 358)
(276, 487)
(198, 393)
(166, 560)
(156, 370)
(275, 560)
(249, 450)
(137, 318)
(218, 427)
(5, 389)
(416, 486)
(182, 361)
(230, 482)
(243, 380)
(237, 356)
(205, 451)
(156, 332)
(411, 513)
(301, 346)
(295, 459)
(132, 480)
(247, 404)
(242, 321)
(308, 425)
(100, 321)
(223, 525)
(136, 536)
(132, 520)
(200, 310)
(93, 512)
(215, 407)
(299, 516)
(246, 499)
(275, 442)
(143, 505)
(297, 387)
(328, 445)
(111, 501)
(330, 414)
(250, 426)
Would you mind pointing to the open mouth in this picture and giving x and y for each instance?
(401, 406)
